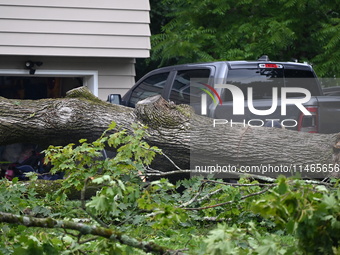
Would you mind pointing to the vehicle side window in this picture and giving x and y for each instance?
(182, 92)
(151, 86)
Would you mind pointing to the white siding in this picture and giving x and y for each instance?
(104, 4)
(103, 28)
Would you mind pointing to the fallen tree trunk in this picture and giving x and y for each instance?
(58, 121)
(181, 134)
(212, 148)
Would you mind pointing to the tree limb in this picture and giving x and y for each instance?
(85, 230)
(228, 202)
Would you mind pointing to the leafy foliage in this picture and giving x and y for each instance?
(208, 217)
(311, 213)
(119, 175)
(231, 30)
(249, 240)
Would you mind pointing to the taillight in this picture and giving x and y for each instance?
(309, 123)
(270, 65)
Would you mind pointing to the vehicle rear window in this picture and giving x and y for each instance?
(301, 79)
(262, 80)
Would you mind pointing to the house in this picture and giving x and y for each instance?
(50, 47)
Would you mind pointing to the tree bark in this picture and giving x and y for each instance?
(176, 129)
(58, 121)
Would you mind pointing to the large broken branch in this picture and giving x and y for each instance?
(85, 229)
(173, 128)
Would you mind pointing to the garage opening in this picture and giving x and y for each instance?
(19, 87)
(16, 84)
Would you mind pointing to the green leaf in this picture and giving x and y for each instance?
(82, 140)
(330, 201)
(283, 187)
(99, 203)
(112, 125)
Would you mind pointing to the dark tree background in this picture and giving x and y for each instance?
(186, 31)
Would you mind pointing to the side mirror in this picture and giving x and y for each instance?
(114, 99)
